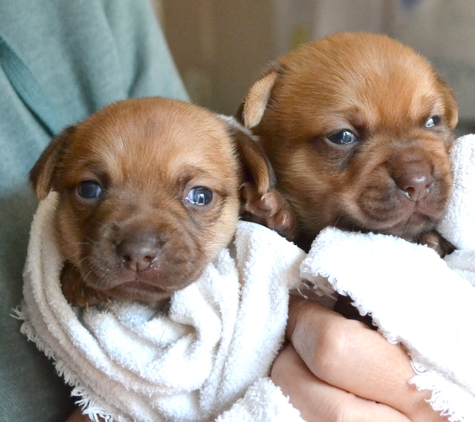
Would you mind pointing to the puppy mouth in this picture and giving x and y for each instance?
(134, 286)
(155, 283)
(404, 218)
(408, 226)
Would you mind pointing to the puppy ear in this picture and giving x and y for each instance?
(254, 163)
(41, 175)
(260, 201)
(450, 103)
(254, 105)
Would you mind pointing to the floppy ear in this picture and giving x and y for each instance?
(260, 202)
(254, 105)
(451, 110)
(41, 175)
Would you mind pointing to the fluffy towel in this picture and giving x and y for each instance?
(414, 297)
(207, 358)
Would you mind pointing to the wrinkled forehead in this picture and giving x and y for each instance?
(128, 146)
(369, 83)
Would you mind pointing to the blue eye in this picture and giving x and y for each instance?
(432, 121)
(199, 196)
(344, 137)
(88, 189)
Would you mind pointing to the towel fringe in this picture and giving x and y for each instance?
(324, 282)
(18, 314)
(423, 380)
(89, 405)
(452, 392)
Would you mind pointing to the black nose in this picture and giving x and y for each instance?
(139, 252)
(414, 182)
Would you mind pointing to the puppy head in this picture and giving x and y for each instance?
(358, 129)
(148, 195)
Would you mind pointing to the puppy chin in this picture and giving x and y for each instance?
(140, 291)
(86, 284)
(405, 218)
(407, 228)
(170, 272)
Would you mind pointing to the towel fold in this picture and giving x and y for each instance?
(209, 355)
(415, 297)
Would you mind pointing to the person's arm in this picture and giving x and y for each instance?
(338, 369)
(147, 65)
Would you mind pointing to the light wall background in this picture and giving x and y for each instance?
(222, 46)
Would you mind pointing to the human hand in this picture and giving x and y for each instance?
(337, 369)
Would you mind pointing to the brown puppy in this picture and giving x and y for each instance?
(148, 195)
(358, 129)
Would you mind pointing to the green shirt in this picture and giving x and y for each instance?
(84, 54)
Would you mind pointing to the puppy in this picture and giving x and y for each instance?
(358, 129)
(149, 192)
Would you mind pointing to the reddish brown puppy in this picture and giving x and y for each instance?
(148, 195)
(358, 129)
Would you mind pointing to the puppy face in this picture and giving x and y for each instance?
(149, 193)
(358, 129)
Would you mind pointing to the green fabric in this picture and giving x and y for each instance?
(28, 88)
(84, 54)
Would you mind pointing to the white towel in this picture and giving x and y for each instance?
(415, 297)
(209, 357)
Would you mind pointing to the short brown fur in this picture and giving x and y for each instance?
(141, 238)
(383, 93)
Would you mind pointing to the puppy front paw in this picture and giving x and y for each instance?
(436, 241)
(271, 210)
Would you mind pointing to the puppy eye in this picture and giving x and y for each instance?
(344, 137)
(88, 189)
(199, 196)
(432, 121)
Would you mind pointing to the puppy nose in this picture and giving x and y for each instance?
(138, 253)
(415, 183)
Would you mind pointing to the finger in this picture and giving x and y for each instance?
(350, 356)
(318, 401)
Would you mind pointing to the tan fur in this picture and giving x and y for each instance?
(146, 155)
(381, 91)
(256, 102)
